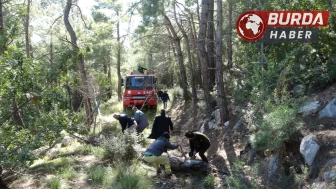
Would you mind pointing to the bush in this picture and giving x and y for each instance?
(275, 126)
(122, 148)
(209, 181)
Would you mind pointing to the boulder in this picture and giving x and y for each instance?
(310, 108)
(226, 124)
(329, 176)
(320, 185)
(273, 165)
(309, 148)
(329, 110)
(239, 125)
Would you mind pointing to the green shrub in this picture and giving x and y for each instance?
(275, 126)
(122, 148)
(209, 181)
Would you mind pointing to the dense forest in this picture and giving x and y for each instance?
(62, 63)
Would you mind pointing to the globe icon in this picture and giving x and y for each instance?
(251, 26)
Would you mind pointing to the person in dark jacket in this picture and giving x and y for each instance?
(153, 153)
(162, 123)
(141, 119)
(125, 121)
(165, 98)
(199, 142)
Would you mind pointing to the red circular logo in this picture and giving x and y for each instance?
(250, 26)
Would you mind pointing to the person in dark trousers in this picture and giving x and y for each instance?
(141, 119)
(125, 121)
(160, 93)
(162, 123)
(199, 142)
(165, 98)
(153, 153)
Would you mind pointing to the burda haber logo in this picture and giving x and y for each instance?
(281, 26)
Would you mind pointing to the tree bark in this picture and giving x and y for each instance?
(229, 40)
(177, 44)
(3, 45)
(187, 45)
(27, 30)
(211, 44)
(80, 63)
(221, 99)
(119, 61)
(203, 54)
(194, 39)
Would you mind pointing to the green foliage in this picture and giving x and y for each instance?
(54, 183)
(238, 179)
(124, 147)
(69, 173)
(98, 175)
(209, 181)
(176, 93)
(131, 177)
(276, 125)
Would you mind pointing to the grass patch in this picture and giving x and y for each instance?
(69, 173)
(131, 177)
(54, 183)
(99, 175)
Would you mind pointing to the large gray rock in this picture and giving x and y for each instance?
(309, 148)
(329, 110)
(239, 125)
(320, 185)
(329, 176)
(312, 107)
(273, 165)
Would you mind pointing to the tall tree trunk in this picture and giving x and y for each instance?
(229, 40)
(27, 30)
(109, 92)
(221, 97)
(211, 44)
(204, 55)
(194, 39)
(17, 118)
(187, 45)
(119, 61)
(2, 45)
(80, 63)
(177, 44)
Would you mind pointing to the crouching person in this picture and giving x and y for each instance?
(153, 154)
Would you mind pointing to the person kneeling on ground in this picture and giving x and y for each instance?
(153, 154)
(199, 142)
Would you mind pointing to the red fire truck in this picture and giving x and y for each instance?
(140, 90)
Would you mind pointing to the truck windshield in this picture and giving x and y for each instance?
(139, 82)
